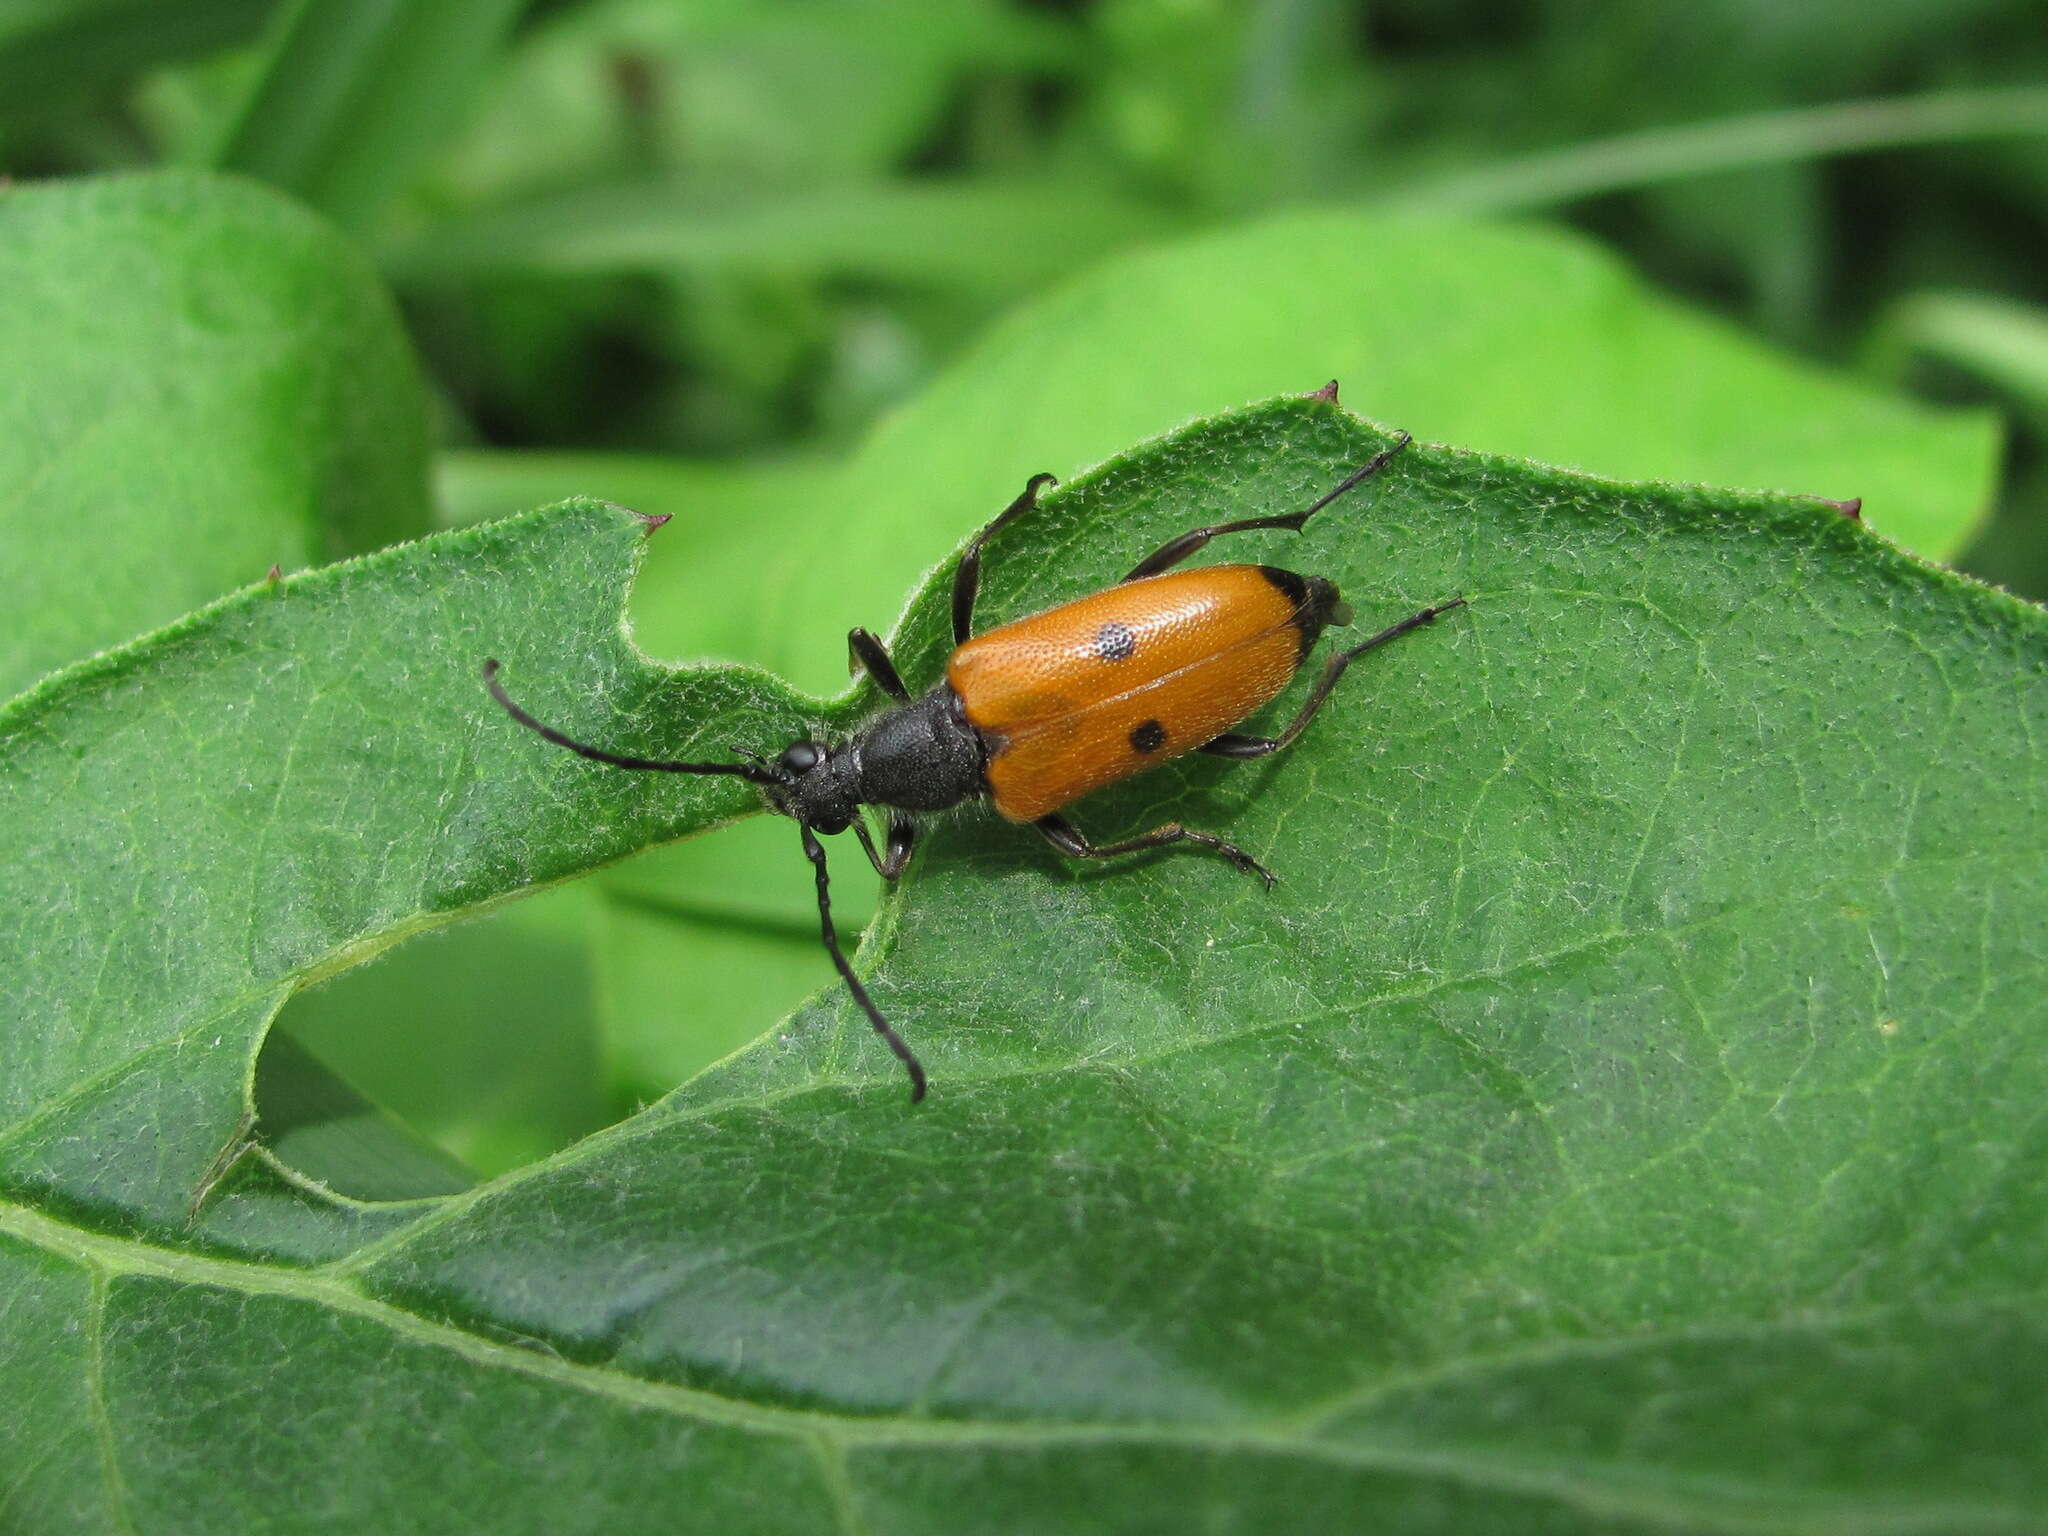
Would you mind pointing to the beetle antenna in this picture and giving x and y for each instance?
(815, 852)
(740, 770)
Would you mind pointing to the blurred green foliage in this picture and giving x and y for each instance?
(727, 225)
(691, 256)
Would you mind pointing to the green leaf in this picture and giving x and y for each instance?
(313, 1120)
(355, 96)
(1624, 1115)
(197, 381)
(1680, 152)
(273, 705)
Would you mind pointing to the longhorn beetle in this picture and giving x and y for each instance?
(1037, 713)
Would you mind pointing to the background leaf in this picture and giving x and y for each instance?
(979, 235)
(1595, 1020)
(312, 1120)
(764, 91)
(507, 1009)
(198, 381)
(2004, 341)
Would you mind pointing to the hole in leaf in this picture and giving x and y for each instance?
(486, 1045)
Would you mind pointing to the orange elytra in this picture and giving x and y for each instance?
(1096, 690)
(1035, 714)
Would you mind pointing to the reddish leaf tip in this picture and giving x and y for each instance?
(653, 520)
(1851, 509)
(275, 575)
(1327, 392)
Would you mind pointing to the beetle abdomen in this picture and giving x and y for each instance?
(1083, 695)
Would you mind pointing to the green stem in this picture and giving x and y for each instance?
(354, 97)
(1734, 143)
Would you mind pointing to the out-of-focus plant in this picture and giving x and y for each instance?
(721, 227)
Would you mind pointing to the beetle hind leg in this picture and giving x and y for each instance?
(1232, 745)
(1240, 748)
(1068, 839)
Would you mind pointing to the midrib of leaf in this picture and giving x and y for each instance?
(1702, 1504)
(96, 1396)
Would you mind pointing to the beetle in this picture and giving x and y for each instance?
(1036, 713)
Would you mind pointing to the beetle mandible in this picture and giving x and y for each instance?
(1037, 713)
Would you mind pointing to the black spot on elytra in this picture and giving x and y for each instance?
(1149, 737)
(1114, 641)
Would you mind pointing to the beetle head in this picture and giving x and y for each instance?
(815, 785)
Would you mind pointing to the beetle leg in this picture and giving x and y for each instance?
(1175, 550)
(902, 842)
(864, 651)
(1067, 838)
(967, 577)
(1232, 745)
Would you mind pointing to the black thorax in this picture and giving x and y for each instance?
(920, 756)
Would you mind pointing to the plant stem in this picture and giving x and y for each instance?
(1733, 143)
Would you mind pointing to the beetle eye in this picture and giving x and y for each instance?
(801, 757)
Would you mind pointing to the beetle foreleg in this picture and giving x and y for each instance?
(902, 842)
(815, 852)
